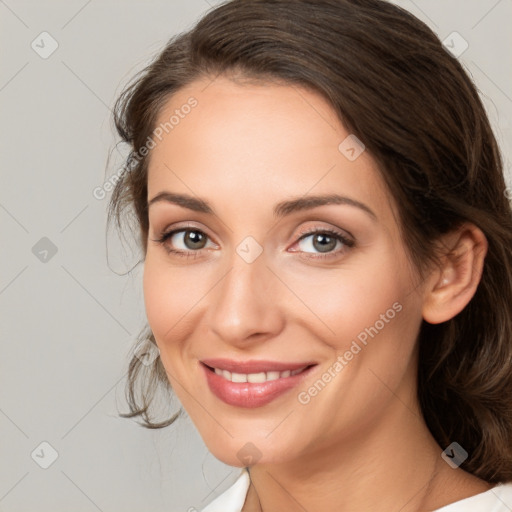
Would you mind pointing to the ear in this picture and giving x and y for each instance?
(452, 285)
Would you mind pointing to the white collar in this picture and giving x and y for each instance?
(231, 500)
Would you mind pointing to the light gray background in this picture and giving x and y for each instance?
(68, 324)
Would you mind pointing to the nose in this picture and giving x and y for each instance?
(245, 306)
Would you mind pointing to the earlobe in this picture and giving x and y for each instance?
(453, 284)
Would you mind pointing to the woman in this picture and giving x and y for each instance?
(327, 258)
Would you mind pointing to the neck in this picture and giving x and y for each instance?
(393, 464)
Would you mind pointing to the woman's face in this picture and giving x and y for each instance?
(272, 276)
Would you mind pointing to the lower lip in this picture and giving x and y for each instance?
(250, 394)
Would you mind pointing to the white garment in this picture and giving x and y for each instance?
(497, 499)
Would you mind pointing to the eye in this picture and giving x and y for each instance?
(324, 241)
(191, 240)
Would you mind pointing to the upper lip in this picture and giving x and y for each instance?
(254, 366)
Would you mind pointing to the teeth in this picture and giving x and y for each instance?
(238, 377)
(257, 377)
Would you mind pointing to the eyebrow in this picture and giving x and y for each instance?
(281, 209)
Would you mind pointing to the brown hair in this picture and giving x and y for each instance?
(393, 85)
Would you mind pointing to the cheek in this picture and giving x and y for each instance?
(158, 297)
(169, 296)
(350, 300)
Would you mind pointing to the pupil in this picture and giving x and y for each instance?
(325, 247)
(194, 237)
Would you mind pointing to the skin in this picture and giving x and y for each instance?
(361, 443)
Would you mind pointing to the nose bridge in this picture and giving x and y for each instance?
(245, 300)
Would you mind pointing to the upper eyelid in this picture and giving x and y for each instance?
(174, 230)
(172, 227)
(303, 233)
(316, 229)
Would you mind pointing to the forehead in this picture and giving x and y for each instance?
(261, 142)
(232, 118)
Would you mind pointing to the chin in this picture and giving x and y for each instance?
(241, 454)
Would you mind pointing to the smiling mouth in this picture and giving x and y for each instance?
(256, 378)
(254, 383)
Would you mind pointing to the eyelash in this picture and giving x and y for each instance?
(348, 243)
